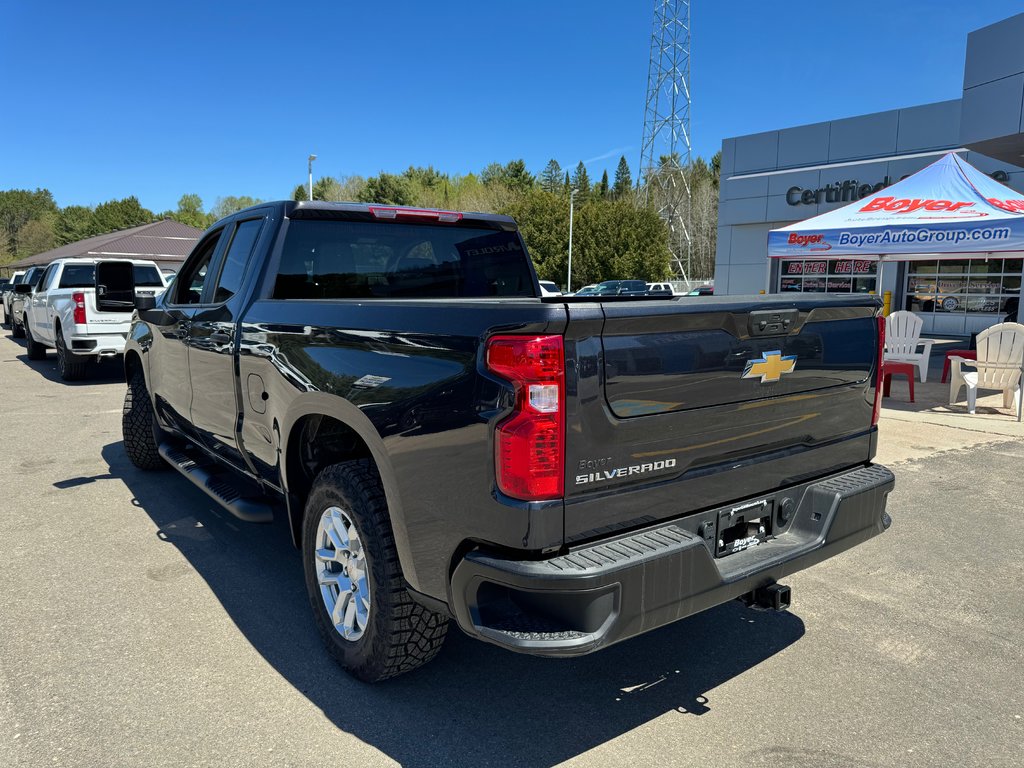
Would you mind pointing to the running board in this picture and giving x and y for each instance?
(217, 485)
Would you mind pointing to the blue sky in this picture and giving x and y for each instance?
(105, 100)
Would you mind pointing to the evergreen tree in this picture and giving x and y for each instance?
(517, 178)
(566, 185)
(388, 189)
(114, 215)
(623, 181)
(581, 180)
(551, 177)
(602, 188)
(301, 192)
(74, 223)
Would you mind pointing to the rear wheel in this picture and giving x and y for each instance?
(33, 348)
(138, 425)
(364, 613)
(17, 329)
(72, 367)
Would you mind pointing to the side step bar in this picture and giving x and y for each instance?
(217, 486)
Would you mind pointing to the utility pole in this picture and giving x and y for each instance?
(311, 159)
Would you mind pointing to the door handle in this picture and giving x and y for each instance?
(220, 338)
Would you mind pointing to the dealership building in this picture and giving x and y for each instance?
(776, 178)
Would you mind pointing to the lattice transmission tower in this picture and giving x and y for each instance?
(665, 149)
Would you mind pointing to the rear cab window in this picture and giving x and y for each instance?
(345, 259)
(84, 276)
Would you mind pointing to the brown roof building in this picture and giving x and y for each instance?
(166, 242)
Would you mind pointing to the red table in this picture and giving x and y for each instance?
(968, 354)
(891, 368)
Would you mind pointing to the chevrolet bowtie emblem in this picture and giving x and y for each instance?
(769, 367)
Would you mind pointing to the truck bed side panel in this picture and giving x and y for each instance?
(414, 369)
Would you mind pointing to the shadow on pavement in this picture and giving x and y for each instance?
(106, 371)
(475, 704)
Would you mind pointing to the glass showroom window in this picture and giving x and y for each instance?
(963, 286)
(828, 276)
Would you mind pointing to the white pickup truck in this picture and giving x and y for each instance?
(62, 314)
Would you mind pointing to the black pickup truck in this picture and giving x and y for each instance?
(554, 474)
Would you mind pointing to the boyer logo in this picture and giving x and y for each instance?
(811, 242)
(921, 206)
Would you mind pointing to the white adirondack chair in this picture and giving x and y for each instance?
(1000, 353)
(903, 339)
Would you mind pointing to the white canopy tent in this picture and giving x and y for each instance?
(948, 209)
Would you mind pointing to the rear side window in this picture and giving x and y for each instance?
(332, 259)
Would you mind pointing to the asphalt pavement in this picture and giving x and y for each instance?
(140, 625)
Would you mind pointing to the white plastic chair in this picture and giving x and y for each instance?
(902, 339)
(1000, 353)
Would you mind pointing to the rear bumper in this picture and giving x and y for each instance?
(621, 587)
(97, 344)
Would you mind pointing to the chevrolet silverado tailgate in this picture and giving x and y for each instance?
(687, 404)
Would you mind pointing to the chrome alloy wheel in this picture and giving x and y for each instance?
(341, 572)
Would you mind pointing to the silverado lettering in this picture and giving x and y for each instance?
(635, 469)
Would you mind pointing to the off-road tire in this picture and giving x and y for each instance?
(33, 348)
(71, 367)
(17, 329)
(401, 634)
(138, 425)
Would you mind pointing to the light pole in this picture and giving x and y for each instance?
(311, 159)
(568, 280)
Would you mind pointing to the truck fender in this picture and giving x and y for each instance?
(332, 406)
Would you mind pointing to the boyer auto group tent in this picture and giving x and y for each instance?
(949, 207)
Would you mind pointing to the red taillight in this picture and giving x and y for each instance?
(530, 444)
(382, 212)
(79, 300)
(878, 373)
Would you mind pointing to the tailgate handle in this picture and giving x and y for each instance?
(772, 322)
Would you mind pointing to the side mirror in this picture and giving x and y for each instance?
(145, 302)
(23, 288)
(115, 286)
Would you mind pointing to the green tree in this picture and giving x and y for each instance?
(623, 181)
(74, 223)
(581, 181)
(551, 177)
(602, 187)
(517, 178)
(387, 188)
(190, 211)
(38, 235)
(300, 193)
(513, 175)
(229, 204)
(17, 208)
(326, 188)
(543, 220)
(114, 215)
